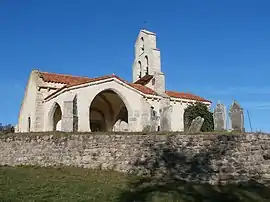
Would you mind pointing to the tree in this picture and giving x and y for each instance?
(199, 109)
(5, 129)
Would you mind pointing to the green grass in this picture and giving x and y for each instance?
(77, 184)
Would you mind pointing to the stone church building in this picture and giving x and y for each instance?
(107, 103)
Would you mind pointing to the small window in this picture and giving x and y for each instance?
(146, 61)
(147, 64)
(140, 69)
(29, 124)
(141, 45)
(153, 81)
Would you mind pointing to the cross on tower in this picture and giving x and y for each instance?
(144, 24)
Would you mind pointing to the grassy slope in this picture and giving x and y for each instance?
(77, 184)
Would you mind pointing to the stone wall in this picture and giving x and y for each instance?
(204, 158)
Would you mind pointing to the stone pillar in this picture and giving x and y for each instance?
(67, 117)
(165, 115)
(39, 118)
(145, 115)
(83, 113)
(133, 121)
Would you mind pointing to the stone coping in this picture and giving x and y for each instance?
(204, 135)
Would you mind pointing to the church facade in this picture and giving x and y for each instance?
(59, 102)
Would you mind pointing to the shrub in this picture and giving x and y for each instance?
(199, 109)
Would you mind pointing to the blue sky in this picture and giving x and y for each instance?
(217, 49)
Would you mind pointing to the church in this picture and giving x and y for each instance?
(59, 102)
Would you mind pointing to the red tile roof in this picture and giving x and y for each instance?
(183, 95)
(69, 81)
(63, 79)
(75, 80)
(143, 89)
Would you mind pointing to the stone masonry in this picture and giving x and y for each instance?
(207, 158)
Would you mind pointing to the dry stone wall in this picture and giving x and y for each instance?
(202, 158)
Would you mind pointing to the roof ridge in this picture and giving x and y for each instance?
(69, 75)
(175, 91)
(70, 80)
(186, 95)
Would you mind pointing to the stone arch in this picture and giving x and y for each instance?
(111, 106)
(55, 117)
(123, 98)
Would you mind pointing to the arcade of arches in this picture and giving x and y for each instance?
(107, 112)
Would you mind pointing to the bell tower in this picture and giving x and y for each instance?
(147, 61)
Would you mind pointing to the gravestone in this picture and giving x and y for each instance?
(220, 118)
(165, 118)
(154, 118)
(196, 125)
(165, 113)
(236, 115)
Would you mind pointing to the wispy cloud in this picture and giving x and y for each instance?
(256, 105)
(239, 90)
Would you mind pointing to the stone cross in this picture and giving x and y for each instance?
(220, 117)
(196, 125)
(236, 117)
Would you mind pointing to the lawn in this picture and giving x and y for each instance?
(77, 184)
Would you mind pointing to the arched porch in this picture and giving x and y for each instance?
(108, 112)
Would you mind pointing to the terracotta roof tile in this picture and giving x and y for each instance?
(62, 78)
(69, 80)
(143, 89)
(89, 80)
(188, 96)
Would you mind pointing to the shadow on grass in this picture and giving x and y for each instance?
(146, 190)
(173, 173)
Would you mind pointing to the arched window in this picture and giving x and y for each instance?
(141, 45)
(153, 81)
(140, 69)
(147, 64)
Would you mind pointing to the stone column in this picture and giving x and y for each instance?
(133, 121)
(67, 117)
